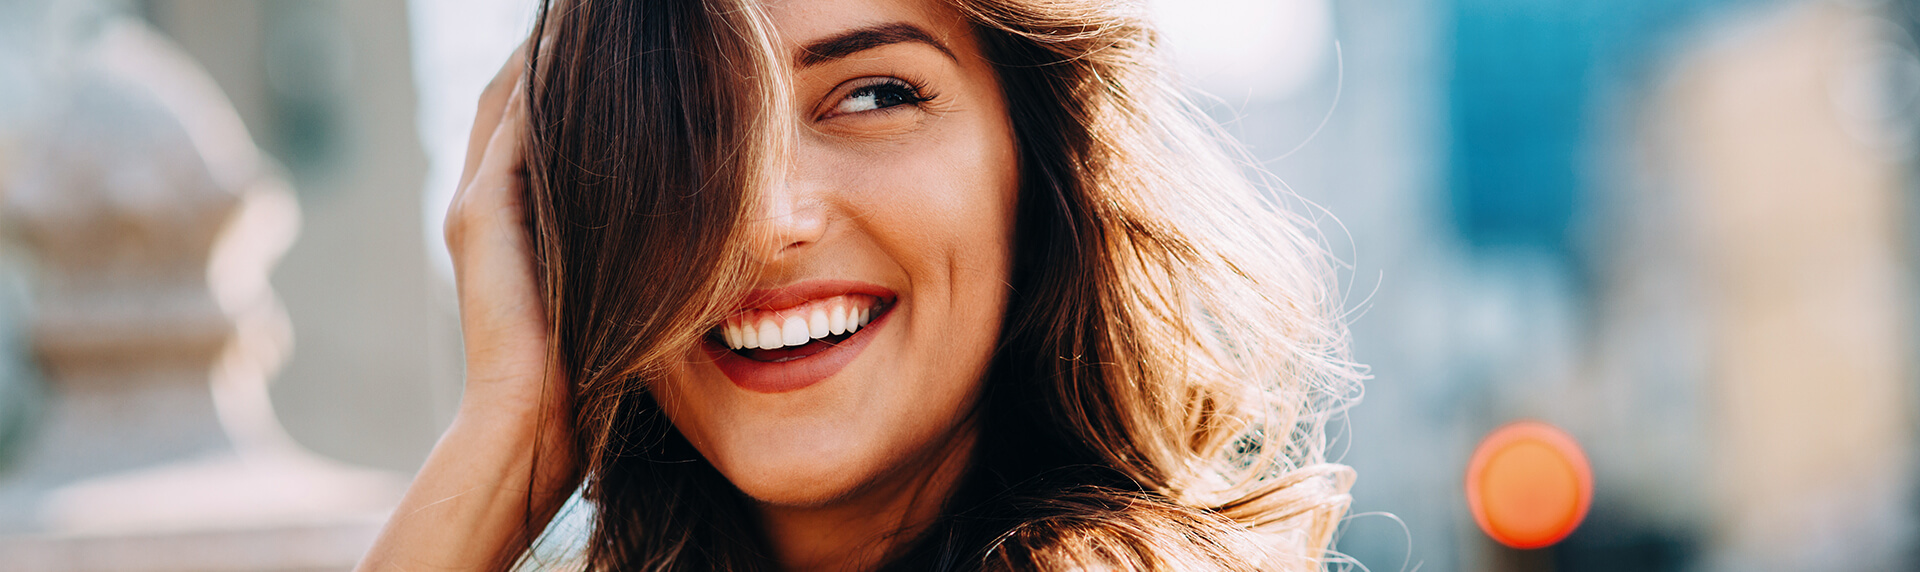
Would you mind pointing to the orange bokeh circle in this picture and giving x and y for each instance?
(1529, 485)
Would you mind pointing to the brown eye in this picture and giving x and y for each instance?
(891, 93)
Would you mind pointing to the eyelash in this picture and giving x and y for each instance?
(909, 94)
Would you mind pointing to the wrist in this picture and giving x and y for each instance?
(523, 441)
(522, 392)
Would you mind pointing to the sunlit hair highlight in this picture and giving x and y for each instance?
(652, 127)
(1188, 324)
(1174, 346)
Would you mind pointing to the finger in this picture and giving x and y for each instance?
(502, 167)
(492, 197)
(493, 102)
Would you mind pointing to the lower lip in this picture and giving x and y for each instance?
(791, 375)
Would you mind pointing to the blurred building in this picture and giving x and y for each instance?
(160, 160)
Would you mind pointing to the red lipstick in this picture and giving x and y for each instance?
(797, 367)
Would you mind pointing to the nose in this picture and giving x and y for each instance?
(792, 218)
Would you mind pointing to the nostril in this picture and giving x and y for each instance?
(800, 224)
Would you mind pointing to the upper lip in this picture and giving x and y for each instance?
(799, 293)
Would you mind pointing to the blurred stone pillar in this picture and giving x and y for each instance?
(154, 221)
(1796, 213)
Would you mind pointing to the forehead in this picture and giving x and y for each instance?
(802, 22)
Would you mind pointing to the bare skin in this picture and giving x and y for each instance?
(916, 198)
(470, 503)
(912, 191)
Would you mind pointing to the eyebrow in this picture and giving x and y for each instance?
(861, 39)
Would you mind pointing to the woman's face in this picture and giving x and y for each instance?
(897, 210)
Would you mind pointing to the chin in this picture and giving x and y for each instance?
(800, 476)
(803, 490)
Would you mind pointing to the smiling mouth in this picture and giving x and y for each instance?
(800, 331)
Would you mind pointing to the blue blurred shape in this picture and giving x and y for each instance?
(1527, 75)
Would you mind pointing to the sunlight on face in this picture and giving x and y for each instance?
(899, 203)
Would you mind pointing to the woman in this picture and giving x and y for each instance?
(874, 284)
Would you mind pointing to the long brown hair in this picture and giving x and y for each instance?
(1173, 346)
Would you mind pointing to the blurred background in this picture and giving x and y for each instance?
(1679, 229)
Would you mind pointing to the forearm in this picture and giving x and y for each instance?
(482, 494)
(504, 467)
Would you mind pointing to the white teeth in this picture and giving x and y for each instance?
(769, 335)
(837, 320)
(817, 324)
(794, 332)
(796, 327)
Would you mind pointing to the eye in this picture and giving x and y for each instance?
(882, 94)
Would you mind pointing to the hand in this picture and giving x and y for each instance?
(506, 465)
(502, 315)
(510, 375)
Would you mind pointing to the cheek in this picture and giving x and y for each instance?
(942, 204)
(940, 208)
